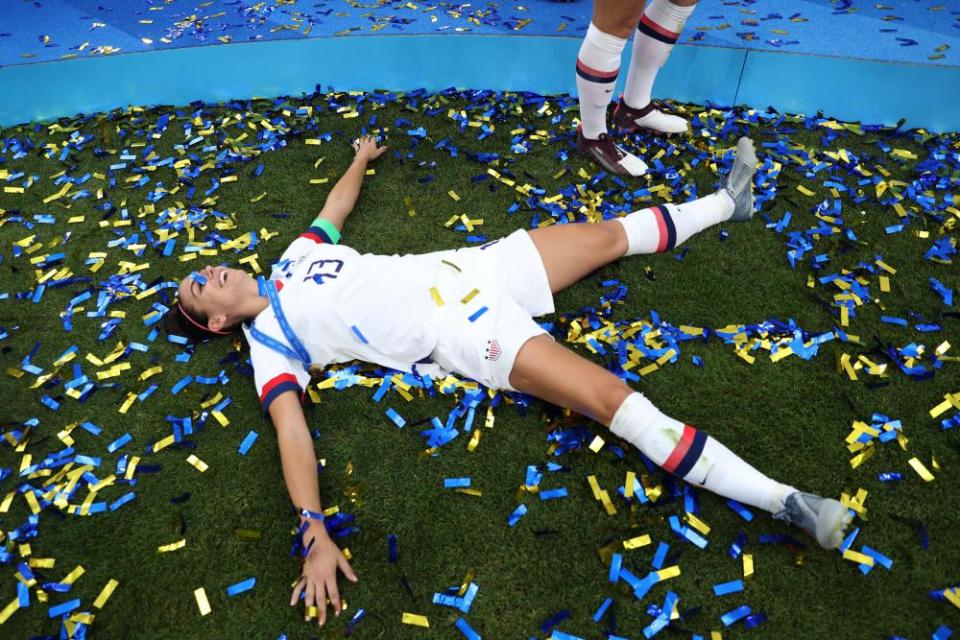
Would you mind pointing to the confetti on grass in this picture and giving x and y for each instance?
(125, 286)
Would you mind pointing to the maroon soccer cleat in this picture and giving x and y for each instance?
(649, 118)
(609, 155)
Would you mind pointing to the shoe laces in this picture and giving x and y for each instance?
(606, 140)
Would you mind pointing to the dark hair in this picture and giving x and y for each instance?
(191, 324)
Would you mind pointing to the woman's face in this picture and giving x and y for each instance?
(217, 299)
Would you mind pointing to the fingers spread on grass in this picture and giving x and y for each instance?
(310, 599)
(347, 570)
(333, 594)
(297, 589)
(322, 603)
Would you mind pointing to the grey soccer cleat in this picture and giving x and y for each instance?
(823, 518)
(739, 182)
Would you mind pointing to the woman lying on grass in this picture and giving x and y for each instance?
(325, 303)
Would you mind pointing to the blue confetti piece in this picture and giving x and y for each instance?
(248, 441)
(124, 499)
(199, 279)
(943, 632)
(731, 617)
(119, 442)
(894, 320)
(240, 587)
(602, 609)
(181, 384)
(554, 620)
(357, 332)
(660, 555)
(354, 621)
(616, 562)
(392, 551)
(553, 494)
(725, 588)
(476, 314)
(740, 510)
(396, 418)
(464, 627)
(515, 516)
(456, 483)
(61, 609)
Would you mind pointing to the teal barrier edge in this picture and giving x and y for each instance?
(925, 96)
(694, 73)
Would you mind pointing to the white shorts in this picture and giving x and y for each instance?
(512, 284)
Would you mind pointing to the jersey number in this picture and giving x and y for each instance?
(323, 269)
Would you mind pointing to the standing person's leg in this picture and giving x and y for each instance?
(553, 373)
(598, 64)
(657, 32)
(571, 251)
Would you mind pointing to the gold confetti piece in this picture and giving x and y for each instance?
(319, 180)
(453, 195)
(802, 189)
(884, 284)
(470, 492)
(105, 593)
(698, 524)
(747, 565)
(9, 610)
(74, 575)
(859, 558)
(637, 542)
(629, 484)
(597, 444)
(921, 470)
(668, 572)
(474, 441)
(197, 463)
(883, 265)
(173, 546)
(42, 563)
(202, 603)
(415, 619)
(470, 296)
(594, 487)
(436, 296)
(953, 596)
(607, 503)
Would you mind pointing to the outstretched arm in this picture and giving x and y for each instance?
(319, 579)
(344, 195)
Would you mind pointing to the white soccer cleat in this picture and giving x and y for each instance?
(823, 518)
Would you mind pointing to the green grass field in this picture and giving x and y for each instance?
(789, 418)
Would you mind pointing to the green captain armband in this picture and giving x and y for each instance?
(322, 230)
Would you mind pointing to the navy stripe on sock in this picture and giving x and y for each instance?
(693, 454)
(592, 78)
(656, 35)
(671, 228)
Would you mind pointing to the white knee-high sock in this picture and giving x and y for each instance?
(597, 67)
(657, 32)
(663, 227)
(694, 456)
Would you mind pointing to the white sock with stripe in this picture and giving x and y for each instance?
(694, 456)
(663, 227)
(598, 64)
(658, 30)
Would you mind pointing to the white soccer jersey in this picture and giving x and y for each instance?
(345, 306)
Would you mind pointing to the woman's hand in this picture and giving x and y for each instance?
(319, 579)
(367, 149)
